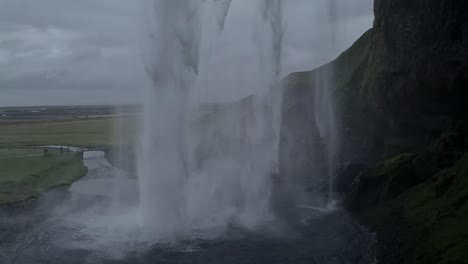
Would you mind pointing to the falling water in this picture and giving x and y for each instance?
(324, 107)
(163, 168)
(326, 123)
(211, 172)
(198, 174)
(221, 10)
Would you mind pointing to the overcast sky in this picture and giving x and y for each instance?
(88, 51)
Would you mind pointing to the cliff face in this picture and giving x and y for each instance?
(416, 79)
(358, 127)
(400, 86)
(401, 93)
(418, 68)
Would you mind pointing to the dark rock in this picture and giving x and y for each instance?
(382, 182)
(441, 154)
(418, 68)
(346, 176)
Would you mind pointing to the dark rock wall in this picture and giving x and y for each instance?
(416, 79)
(418, 69)
(402, 84)
(361, 126)
(401, 93)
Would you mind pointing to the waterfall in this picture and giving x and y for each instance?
(164, 168)
(210, 172)
(221, 11)
(325, 115)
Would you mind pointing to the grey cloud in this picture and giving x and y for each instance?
(60, 46)
(82, 14)
(87, 51)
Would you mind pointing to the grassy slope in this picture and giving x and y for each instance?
(25, 178)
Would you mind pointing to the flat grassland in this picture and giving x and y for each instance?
(22, 178)
(96, 132)
(25, 172)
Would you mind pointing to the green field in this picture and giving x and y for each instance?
(27, 177)
(12, 152)
(75, 133)
(26, 173)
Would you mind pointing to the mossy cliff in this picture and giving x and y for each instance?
(418, 203)
(401, 94)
